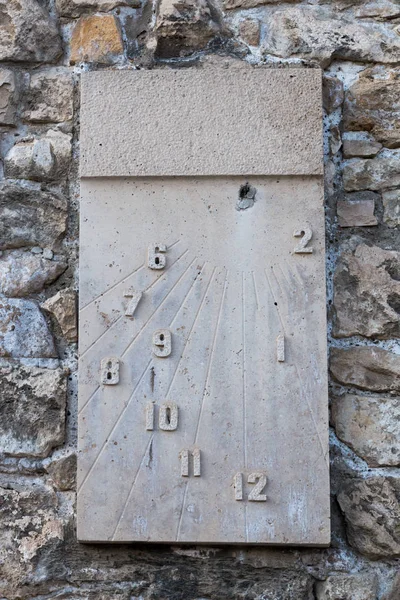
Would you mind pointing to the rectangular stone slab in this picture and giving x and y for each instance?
(203, 412)
(201, 122)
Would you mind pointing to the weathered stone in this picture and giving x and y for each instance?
(24, 332)
(335, 139)
(393, 593)
(23, 273)
(63, 307)
(370, 425)
(372, 173)
(185, 27)
(49, 97)
(27, 33)
(367, 368)
(360, 586)
(249, 31)
(367, 293)
(31, 216)
(29, 528)
(359, 144)
(245, 4)
(318, 33)
(75, 8)
(332, 93)
(32, 410)
(357, 210)
(45, 158)
(96, 38)
(378, 9)
(391, 207)
(63, 472)
(372, 513)
(7, 97)
(373, 104)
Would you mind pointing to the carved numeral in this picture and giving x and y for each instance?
(168, 416)
(132, 304)
(306, 234)
(162, 342)
(184, 458)
(280, 348)
(156, 257)
(109, 371)
(255, 494)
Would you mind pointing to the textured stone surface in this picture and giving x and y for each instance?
(360, 586)
(393, 593)
(391, 207)
(367, 293)
(372, 173)
(24, 332)
(27, 33)
(32, 410)
(45, 158)
(360, 144)
(372, 512)
(373, 104)
(49, 96)
(332, 93)
(230, 141)
(7, 97)
(356, 212)
(74, 8)
(367, 368)
(30, 529)
(249, 30)
(23, 273)
(63, 472)
(370, 425)
(318, 33)
(63, 307)
(244, 4)
(96, 39)
(183, 27)
(30, 216)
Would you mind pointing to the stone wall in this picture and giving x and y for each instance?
(44, 46)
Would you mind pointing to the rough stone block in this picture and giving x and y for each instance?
(245, 4)
(23, 273)
(96, 39)
(373, 104)
(49, 96)
(367, 368)
(391, 207)
(27, 32)
(372, 512)
(63, 307)
(372, 173)
(332, 93)
(357, 210)
(249, 31)
(7, 97)
(75, 8)
(367, 293)
(361, 144)
(24, 332)
(370, 425)
(32, 410)
(31, 216)
(319, 33)
(360, 586)
(46, 158)
(63, 472)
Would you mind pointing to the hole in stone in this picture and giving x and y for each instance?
(157, 260)
(109, 375)
(162, 337)
(168, 415)
(247, 196)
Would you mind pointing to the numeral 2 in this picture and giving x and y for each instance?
(306, 234)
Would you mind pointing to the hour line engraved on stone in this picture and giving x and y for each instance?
(156, 256)
(135, 298)
(109, 371)
(238, 485)
(306, 234)
(280, 348)
(162, 343)
(184, 458)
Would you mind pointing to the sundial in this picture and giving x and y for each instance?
(202, 378)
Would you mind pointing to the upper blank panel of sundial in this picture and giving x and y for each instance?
(203, 412)
(201, 122)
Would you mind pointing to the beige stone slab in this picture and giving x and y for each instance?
(177, 433)
(202, 121)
